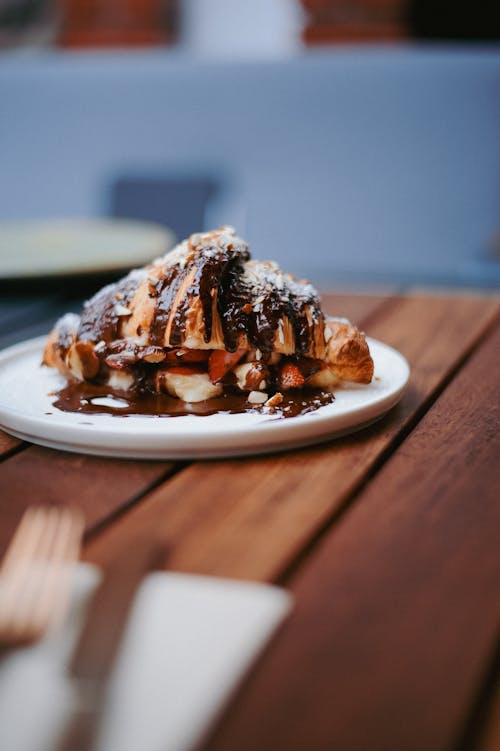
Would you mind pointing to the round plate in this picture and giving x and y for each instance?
(26, 411)
(78, 246)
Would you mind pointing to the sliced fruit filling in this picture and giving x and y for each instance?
(195, 375)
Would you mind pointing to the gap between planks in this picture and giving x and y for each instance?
(101, 488)
(482, 727)
(9, 444)
(251, 518)
(485, 733)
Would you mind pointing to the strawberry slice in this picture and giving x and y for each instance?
(289, 376)
(176, 356)
(220, 362)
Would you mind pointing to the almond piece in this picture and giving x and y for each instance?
(257, 397)
(275, 400)
(155, 356)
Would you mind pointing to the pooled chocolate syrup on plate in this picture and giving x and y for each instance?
(93, 399)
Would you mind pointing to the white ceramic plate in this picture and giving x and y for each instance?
(24, 403)
(56, 247)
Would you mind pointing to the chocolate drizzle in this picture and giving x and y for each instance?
(100, 319)
(165, 292)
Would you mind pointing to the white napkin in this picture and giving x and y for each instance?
(187, 644)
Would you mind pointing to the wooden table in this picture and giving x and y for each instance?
(389, 540)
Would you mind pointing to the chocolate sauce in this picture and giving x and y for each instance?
(100, 319)
(81, 397)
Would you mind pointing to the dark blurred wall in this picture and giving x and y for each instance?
(448, 19)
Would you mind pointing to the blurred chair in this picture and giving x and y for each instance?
(180, 203)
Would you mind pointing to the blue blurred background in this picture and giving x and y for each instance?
(349, 162)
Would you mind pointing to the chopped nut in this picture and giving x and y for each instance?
(155, 356)
(247, 308)
(121, 310)
(120, 360)
(274, 400)
(249, 375)
(257, 397)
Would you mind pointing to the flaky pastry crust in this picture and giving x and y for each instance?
(207, 295)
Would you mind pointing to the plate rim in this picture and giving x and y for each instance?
(301, 430)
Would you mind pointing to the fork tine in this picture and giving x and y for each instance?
(36, 572)
(53, 595)
(24, 568)
(24, 539)
(16, 567)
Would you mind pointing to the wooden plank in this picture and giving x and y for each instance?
(34, 473)
(8, 443)
(398, 610)
(100, 487)
(356, 307)
(251, 518)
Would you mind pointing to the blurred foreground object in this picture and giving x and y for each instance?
(116, 23)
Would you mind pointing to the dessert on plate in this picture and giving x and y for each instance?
(206, 323)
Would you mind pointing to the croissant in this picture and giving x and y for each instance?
(206, 317)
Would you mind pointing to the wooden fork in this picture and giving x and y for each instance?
(35, 576)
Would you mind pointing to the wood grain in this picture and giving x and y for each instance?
(356, 307)
(398, 609)
(253, 518)
(100, 487)
(8, 443)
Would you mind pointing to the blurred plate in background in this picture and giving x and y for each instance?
(60, 247)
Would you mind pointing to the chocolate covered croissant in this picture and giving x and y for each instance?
(205, 318)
